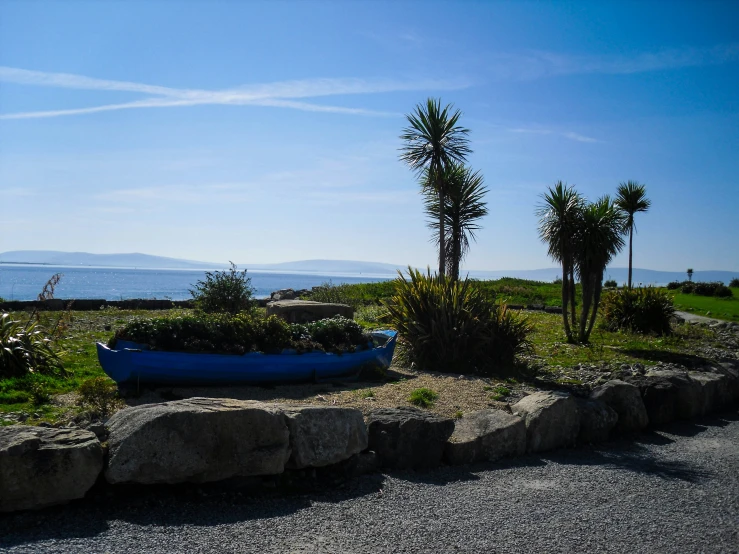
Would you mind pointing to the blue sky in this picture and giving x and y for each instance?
(268, 132)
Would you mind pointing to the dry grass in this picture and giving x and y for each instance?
(457, 394)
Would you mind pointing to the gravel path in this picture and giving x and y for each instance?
(676, 490)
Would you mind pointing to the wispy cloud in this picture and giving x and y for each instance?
(566, 134)
(279, 95)
(538, 64)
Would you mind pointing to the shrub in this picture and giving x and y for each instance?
(716, 288)
(642, 310)
(25, 348)
(734, 283)
(336, 332)
(674, 285)
(423, 397)
(610, 284)
(238, 334)
(223, 291)
(452, 325)
(39, 394)
(687, 287)
(99, 395)
(336, 294)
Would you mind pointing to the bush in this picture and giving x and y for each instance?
(716, 288)
(452, 325)
(642, 310)
(674, 285)
(25, 348)
(223, 291)
(99, 395)
(334, 333)
(610, 284)
(687, 287)
(423, 397)
(238, 334)
(734, 283)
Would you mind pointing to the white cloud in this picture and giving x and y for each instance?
(566, 134)
(538, 64)
(279, 94)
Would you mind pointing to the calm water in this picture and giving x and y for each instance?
(24, 282)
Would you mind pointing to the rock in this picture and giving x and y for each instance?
(551, 418)
(596, 420)
(196, 440)
(486, 435)
(626, 400)
(731, 371)
(99, 429)
(283, 294)
(408, 438)
(321, 436)
(715, 390)
(42, 467)
(303, 311)
(686, 403)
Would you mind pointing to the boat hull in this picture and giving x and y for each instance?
(133, 364)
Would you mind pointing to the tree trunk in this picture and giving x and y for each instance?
(456, 249)
(566, 299)
(631, 239)
(596, 302)
(442, 237)
(585, 280)
(573, 293)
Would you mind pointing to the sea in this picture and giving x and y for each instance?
(25, 282)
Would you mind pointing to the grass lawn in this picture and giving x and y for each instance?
(550, 354)
(719, 308)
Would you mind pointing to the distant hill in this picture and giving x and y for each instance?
(331, 266)
(144, 261)
(619, 274)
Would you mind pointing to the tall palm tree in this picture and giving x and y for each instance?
(559, 216)
(464, 207)
(599, 237)
(631, 197)
(433, 140)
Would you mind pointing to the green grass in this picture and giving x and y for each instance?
(550, 346)
(423, 397)
(78, 355)
(513, 291)
(711, 306)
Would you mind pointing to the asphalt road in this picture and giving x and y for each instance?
(676, 490)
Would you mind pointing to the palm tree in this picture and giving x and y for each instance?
(598, 239)
(632, 198)
(434, 140)
(558, 224)
(464, 207)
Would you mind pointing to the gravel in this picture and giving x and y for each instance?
(676, 490)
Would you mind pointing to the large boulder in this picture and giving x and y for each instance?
(626, 400)
(303, 311)
(596, 420)
(552, 420)
(486, 435)
(731, 371)
(408, 438)
(321, 436)
(686, 396)
(45, 466)
(196, 440)
(715, 390)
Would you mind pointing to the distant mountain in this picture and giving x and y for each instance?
(331, 266)
(146, 261)
(143, 261)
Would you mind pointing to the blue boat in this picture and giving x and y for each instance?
(133, 364)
